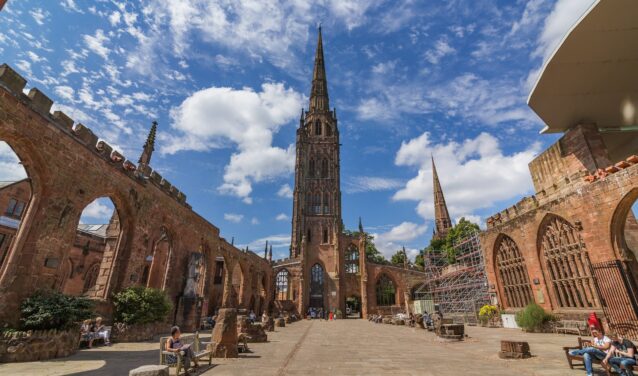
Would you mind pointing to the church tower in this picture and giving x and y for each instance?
(316, 217)
(443, 224)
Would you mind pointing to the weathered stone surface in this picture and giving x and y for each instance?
(269, 324)
(224, 336)
(37, 345)
(514, 350)
(149, 371)
(139, 332)
(254, 332)
(280, 322)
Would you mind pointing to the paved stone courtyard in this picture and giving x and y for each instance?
(344, 347)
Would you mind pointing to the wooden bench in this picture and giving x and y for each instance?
(194, 341)
(582, 343)
(571, 326)
(95, 338)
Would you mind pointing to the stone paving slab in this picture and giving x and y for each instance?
(342, 347)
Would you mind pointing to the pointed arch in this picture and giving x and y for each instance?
(311, 168)
(566, 264)
(325, 168)
(352, 259)
(282, 285)
(160, 259)
(318, 128)
(317, 278)
(512, 273)
(326, 203)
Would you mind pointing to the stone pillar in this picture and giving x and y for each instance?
(228, 286)
(363, 271)
(224, 335)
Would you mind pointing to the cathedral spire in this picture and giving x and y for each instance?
(149, 146)
(441, 215)
(319, 92)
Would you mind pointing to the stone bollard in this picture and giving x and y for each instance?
(280, 322)
(224, 336)
(149, 371)
(269, 324)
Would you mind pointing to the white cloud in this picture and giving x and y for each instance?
(219, 116)
(441, 49)
(34, 57)
(96, 43)
(285, 191)
(352, 12)
(65, 92)
(474, 174)
(254, 221)
(115, 18)
(280, 244)
(231, 217)
(69, 5)
(282, 217)
(389, 242)
(10, 167)
(39, 15)
(97, 212)
(356, 184)
(557, 24)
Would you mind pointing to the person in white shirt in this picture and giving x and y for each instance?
(600, 346)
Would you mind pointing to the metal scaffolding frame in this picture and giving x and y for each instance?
(460, 289)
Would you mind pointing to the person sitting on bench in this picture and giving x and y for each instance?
(622, 353)
(100, 331)
(175, 345)
(600, 346)
(86, 332)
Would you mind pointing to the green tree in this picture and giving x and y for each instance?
(457, 233)
(398, 258)
(419, 260)
(47, 309)
(372, 253)
(141, 305)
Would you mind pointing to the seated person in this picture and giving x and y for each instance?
(100, 331)
(252, 317)
(242, 338)
(598, 350)
(86, 332)
(622, 353)
(175, 345)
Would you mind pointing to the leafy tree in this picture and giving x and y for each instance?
(47, 309)
(398, 258)
(419, 260)
(141, 305)
(372, 253)
(457, 233)
(533, 317)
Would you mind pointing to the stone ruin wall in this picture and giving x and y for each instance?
(69, 167)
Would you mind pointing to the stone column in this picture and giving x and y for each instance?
(363, 271)
(228, 286)
(224, 335)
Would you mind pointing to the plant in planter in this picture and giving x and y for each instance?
(53, 310)
(533, 318)
(488, 314)
(141, 305)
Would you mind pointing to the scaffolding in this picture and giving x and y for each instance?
(458, 290)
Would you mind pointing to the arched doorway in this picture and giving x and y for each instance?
(512, 273)
(316, 286)
(97, 233)
(353, 307)
(15, 197)
(567, 265)
(158, 261)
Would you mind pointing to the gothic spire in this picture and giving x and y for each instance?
(270, 253)
(266, 250)
(319, 92)
(441, 214)
(360, 226)
(149, 146)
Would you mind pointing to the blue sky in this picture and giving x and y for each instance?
(227, 79)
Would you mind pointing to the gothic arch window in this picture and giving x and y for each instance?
(90, 278)
(328, 130)
(385, 291)
(326, 203)
(318, 128)
(316, 286)
(513, 273)
(282, 285)
(325, 235)
(352, 260)
(324, 168)
(316, 203)
(567, 264)
(311, 168)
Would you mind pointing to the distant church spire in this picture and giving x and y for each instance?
(149, 146)
(441, 215)
(319, 92)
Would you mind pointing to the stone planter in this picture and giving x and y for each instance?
(138, 332)
(38, 345)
